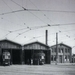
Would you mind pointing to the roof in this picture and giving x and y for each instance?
(62, 44)
(36, 42)
(10, 41)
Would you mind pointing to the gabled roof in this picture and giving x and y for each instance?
(37, 43)
(62, 44)
(10, 41)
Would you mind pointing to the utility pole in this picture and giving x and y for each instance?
(46, 37)
(56, 48)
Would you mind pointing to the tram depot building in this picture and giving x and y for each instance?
(28, 53)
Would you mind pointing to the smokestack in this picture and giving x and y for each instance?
(46, 37)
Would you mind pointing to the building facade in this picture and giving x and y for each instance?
(64, 54)
(13, 48)
(32, 50)
(73, 58)
(35, 51)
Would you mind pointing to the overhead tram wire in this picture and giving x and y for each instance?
(28, 11)
(16, 15)
(5, 36)
(29, 30)
(20, 34)
(39, 28)
(24, 9)
(40, 11)
(50, 35)
(11, 11)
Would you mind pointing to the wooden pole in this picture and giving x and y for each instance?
(46, 37)
(56, 48)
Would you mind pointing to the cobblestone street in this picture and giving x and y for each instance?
(38, 70)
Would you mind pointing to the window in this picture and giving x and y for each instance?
(65, 50)
(55, 50)
(68, 50)
(59, 50)
(68, 57)
(52, 50)
(52, 58)
(65, 58)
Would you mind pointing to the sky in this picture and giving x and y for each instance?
(25, 21)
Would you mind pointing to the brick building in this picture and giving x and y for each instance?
(64, 53)
(73, 58)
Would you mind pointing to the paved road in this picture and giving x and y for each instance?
(38, 70)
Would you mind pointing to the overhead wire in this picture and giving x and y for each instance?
(29, 12)
(40, 11)
(5, 36)
(30, 30)
(42, 27)
(9, 21)
(24, 9)
(37, 27)
(44, 35)
(50, 25)
(35, 15)
(11, 11)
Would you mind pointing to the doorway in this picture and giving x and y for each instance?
(27, 54)
(16, 59)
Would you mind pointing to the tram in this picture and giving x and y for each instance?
(39, 58)
(6, 58)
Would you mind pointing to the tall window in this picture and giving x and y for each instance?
(62, 50)
(55, 58)
(68, 57)
(68, 50)
(59, 50)
(55, 49)
(65, 50)
(65, 58)
(52, 58)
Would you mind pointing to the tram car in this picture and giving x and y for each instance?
(39, 59)
(6, 58)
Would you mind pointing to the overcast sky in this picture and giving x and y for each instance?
(25, 26)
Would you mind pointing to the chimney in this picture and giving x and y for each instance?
(46, 37)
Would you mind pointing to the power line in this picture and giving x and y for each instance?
(7, 34)
(37, 27)
(41, 11)
(11, 11)
(24, 9)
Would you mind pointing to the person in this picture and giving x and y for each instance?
(28, 61)
(31, 61)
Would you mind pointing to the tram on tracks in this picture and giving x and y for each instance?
(6, 58)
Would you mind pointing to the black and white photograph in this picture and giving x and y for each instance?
(37, 37)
